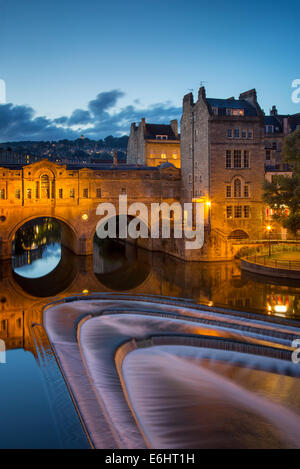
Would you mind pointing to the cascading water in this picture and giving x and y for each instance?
(151, 372)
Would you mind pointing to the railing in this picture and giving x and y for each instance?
(273, 262)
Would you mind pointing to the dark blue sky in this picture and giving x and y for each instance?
(139, 58)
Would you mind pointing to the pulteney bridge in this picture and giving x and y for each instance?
(71, 195)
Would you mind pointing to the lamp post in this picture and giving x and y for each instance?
(269, 231)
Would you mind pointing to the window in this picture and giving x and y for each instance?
(229, 133)
(246, 191)
(250, 134)
(163, 156)
(45, 186)
(229, 211)
(228, 158)
(269, 129)
(274, 146)
(85, 193)
(244, 134)
(237, 185)
(72, 193)
(174, 156)
(2, 193)
(28, 193)
(238, 211)
(17, 194)
(215, 110)
(237, 159)
(123, 191)
(236, 133)
(60, 193)
(246, 159)
(246, 211)
(190, 179)
(268, 155)
(228, 191)
(161, 137)
(98, 193)
(37, 190)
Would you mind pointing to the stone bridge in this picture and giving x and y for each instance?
(71, 195)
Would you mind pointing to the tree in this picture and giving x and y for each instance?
(283, 193)
(291, 150)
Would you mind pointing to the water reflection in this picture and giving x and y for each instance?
(36, 248)
(42, 269)
(47, 269)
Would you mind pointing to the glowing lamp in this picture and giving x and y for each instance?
(280, 308)
(84, 216)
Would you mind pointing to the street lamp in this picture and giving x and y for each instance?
(269, 231)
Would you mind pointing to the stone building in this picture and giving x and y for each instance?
(277, 127)
(153, 144)
(222, 163)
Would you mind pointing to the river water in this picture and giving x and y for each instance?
(42, 270)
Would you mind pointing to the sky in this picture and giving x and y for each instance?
(92, 67)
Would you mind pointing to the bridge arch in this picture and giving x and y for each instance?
(70, 237)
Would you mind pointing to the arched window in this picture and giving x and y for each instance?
(237, 188)
(45, 186)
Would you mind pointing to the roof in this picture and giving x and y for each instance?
(159, 129)
(272, 120)
(78, 166)
(223, 104)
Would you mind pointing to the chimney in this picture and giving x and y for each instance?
(174, 126)
(115, 159)
(249, 96)
(202, 93)
(273, 111)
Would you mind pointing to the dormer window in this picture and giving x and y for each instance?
(161, 137)
(234, 112)
(269, 129)
(215, 110)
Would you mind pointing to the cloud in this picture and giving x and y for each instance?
(102, 117)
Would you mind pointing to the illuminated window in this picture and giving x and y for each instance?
(17, 194)
(229, 211)
(28, 193)
(2, 193)
(45, 186)
(163, 156)
(228, 158)
(238, 211)
(237, 188)
(175, 156)
(85, 193)
(237, 159)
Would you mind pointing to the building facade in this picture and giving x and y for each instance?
(222, 163)
(154, 144)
